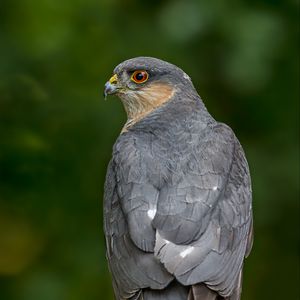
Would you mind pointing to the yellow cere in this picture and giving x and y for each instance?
(113, 79)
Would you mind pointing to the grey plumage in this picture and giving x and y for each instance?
(177, 203)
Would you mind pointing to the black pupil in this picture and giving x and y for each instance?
(139, 76)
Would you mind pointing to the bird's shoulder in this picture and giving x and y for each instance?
(173, 140)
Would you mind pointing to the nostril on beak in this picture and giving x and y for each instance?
(113, 79)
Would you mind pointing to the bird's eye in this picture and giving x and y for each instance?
(139, 76)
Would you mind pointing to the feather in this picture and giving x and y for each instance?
(174, 291)
(201, 292)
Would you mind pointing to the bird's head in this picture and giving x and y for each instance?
(144, 84)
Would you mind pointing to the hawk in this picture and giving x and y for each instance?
(177, 200)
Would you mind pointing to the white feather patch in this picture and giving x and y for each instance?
(186, 252)
(151, 213)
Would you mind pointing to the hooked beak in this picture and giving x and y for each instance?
(111, 86)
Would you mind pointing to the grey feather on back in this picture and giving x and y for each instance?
(215, 255)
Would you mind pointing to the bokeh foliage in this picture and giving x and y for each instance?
(57, 132)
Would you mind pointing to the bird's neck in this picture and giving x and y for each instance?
(138, 104)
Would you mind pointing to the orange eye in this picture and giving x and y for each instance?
(139, 76)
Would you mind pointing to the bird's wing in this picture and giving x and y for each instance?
(132, 269)
(138, 196)
(203, 217)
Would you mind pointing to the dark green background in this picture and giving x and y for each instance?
(57, 132)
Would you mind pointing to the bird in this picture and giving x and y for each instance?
(178, 219)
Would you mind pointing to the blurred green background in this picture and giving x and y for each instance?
(57, 132)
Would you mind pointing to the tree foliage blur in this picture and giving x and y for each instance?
(57, 132)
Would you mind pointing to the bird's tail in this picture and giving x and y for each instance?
(174, 291)
(201, 292)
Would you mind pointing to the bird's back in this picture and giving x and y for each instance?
(166, 175)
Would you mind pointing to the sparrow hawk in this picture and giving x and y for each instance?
(177, 201)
